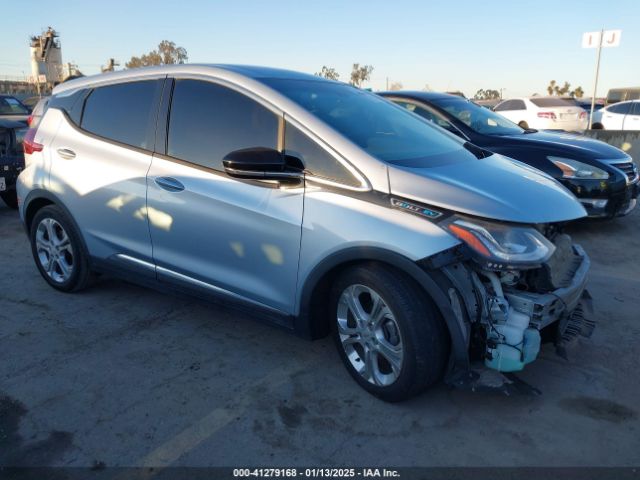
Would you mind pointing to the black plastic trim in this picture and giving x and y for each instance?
(308, 326)
(54, 199)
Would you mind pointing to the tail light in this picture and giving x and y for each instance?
(549, 115)
(583, 115)
(29, 120)
(29, 144)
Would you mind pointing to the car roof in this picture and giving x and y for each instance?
(248, 71)
(420, 95)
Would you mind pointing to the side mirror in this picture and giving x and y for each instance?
(259, 163)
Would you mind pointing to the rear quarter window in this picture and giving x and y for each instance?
(124, 112)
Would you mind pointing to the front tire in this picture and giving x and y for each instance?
(58, 251)
(389, 334)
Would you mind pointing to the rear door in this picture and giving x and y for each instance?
(99, 166)
(212, 232)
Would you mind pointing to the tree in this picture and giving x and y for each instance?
(555, 89)
(486, 95)
(166, 54)
(396, 86)
(360, 74)
(328, 72)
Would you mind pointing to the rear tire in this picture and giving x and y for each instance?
(524, 125)
(10, 197)
(58, 250)
(395, 345)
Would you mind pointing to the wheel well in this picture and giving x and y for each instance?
(33, 207)
(316, 310)
(597, 126)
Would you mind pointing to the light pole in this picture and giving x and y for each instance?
(595, 83)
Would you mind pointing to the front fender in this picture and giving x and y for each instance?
(307, 324)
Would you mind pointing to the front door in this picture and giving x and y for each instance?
(208, 230)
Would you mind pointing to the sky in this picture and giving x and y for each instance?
(462, 45)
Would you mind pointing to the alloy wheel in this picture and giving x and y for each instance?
(54, 250)
(370, 335)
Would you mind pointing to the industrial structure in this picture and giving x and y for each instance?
(46, 57)
(47, 68)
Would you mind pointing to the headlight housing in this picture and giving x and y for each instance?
(575, 169)
(501, 246)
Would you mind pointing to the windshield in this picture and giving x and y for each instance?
(384, 130)
(11, 106)
(479, 119)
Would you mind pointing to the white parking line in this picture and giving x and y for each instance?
(191, 437)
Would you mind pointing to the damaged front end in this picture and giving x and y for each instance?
(512, 287)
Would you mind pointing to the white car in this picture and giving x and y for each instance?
(619, 116)
(544, 113)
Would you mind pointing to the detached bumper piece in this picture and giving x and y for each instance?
(576, 324)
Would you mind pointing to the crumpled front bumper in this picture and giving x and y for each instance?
(547, 308)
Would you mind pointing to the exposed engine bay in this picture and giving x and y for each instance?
(508, 312)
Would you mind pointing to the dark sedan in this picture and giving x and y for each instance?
(602, 177)
(12, 109)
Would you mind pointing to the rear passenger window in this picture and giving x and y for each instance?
(208, 121)
(621, 108)
(316, 159)
(124, 112)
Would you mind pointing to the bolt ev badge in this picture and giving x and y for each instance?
(425, 212)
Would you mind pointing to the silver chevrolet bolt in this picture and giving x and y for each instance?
(324, 208)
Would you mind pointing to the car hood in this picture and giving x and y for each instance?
(494, 187)
(573, 145)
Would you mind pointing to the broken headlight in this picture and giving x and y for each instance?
(501, 245)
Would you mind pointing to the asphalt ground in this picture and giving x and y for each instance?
(120, 375)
